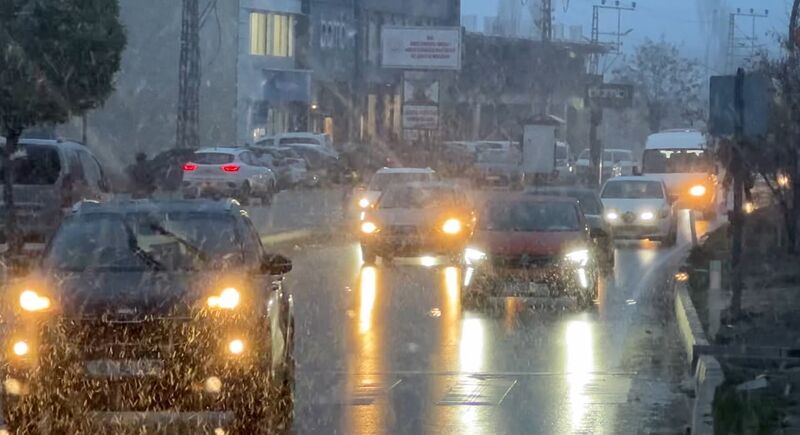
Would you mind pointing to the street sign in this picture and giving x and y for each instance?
(610, 95)
(757, 94)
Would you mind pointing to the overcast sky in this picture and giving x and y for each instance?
(683, 22)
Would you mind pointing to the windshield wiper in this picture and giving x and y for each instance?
(147, 257)
(202, 255)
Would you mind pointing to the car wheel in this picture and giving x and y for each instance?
(268, 196)
(282, 391)
(244, 194)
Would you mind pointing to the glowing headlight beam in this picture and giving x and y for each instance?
(647, 216)
(452, 226)
(612, 216)
(698, 190)
(579, 257)
(472, 255)
(228, 299)
(368, 228)
(363, 203)
(31, 301)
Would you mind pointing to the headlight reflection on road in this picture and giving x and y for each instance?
(366, 298)
(471, 346)
(453, 288)
(579, 369)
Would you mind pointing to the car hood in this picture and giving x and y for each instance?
(408, 216)
(130, 294)
(534, 244)
(633, 205)
(679, 183)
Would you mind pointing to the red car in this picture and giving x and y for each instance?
(526, 245)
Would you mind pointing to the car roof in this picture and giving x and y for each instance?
(618, 150)
(405, 171)
(635, 178)
(532, 198)
(559, 189)
(165, 206)
(51, 142)
(228, 150)
(676, 139)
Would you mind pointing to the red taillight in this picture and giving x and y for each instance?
(189, 167)
(230, 168)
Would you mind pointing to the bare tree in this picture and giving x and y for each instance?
(669, 85)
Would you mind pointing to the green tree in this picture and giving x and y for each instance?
(58, 60)
(669, 85)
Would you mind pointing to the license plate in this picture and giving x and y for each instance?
(106, 368)
(493, 177)
(528, 288)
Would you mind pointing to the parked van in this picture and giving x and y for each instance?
(49, 177)
(681, 159)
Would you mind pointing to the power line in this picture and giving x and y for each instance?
(615, 40)
(742, 44)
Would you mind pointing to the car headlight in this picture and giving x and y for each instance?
(368, 228)
(474, 256)
(363, 203)
(32, 301)
(451, 226)
(612, 216)
(228, 299)
(698, 190)
(647, 216)
(578, 257)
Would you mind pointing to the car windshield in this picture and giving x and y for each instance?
(676, 161)
(529, 216)
(633, 190)
(138, 241)
(417, 197)
(381, 181)
(590, 204)
(212, 158)
(299, 141)
(35, 165)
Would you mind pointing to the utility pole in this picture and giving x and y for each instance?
(737, 218)
(356, 85)
(189, 77)
(615, 37)
(794, 45)
(742, 45)
(547, 20)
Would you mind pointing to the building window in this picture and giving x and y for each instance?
(271, 34)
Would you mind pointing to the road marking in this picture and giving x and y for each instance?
(367, 393)
(478, 392)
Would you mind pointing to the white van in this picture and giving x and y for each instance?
(682, 160)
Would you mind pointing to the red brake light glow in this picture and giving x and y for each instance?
(189, 167)
(230, 168)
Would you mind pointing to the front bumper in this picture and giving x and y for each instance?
(411, 245)
(147, 366)
(553, 279)
(657, 229)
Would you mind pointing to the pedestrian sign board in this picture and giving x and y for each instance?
(610, 95)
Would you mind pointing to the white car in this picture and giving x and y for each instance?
(616, 162)
(639, 208)
(288, 139)
(231, 172)
(383, 178)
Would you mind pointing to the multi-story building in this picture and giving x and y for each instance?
(254, 76)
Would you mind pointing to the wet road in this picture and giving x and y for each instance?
(392, 350)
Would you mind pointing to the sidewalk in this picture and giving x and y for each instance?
(760, 352)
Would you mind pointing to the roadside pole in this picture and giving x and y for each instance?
(737, 221)
(595, 147)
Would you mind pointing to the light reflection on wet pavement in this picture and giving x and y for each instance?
(392, 350)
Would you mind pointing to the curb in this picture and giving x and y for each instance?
(706, 369)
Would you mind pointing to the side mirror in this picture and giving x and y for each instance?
(275, 264)
(636, 171)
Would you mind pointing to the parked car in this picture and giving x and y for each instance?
(167, 167)
(149, 306)
(323, 163)
(49, 177)
(616, 162)
(231, 172)
(499, 168)
(639, 208)
(290, 168)
(527, 245)
(286, 139)
(564, 164)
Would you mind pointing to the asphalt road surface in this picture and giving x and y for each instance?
(391, 350)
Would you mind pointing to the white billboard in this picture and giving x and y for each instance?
(421, 47)
(539, 149)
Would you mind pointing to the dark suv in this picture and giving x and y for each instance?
(147, 307)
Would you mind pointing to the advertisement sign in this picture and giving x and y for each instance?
(539, 149)
(421, 47)
(420, 117)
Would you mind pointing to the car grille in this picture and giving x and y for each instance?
(402, 230)
(96, 339)
(522, 261)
